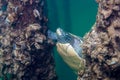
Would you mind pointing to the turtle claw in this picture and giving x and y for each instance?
(52, 35)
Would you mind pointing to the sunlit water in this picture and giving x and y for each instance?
(75, 16)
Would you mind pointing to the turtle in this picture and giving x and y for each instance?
(69, 48)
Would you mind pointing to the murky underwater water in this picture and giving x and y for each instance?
(75, 16)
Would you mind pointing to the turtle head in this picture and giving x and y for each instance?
(63, 37)
(68, 38)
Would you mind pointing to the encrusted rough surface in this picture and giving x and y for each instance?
(25, 50)
(101, 45)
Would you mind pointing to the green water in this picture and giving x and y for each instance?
(75, 16)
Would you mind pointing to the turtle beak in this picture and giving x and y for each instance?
(60, 32)
(63, 37)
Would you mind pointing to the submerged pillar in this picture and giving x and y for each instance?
(25, 50)
(101, 44)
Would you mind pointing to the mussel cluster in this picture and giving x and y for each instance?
(25, 50)
(102, 44)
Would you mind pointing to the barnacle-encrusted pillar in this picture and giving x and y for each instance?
(25, 50)
(101, 45)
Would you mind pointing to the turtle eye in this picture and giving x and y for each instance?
(68, 38)
(65, 38)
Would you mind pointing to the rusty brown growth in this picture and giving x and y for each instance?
(25, 50)
(102, 44)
